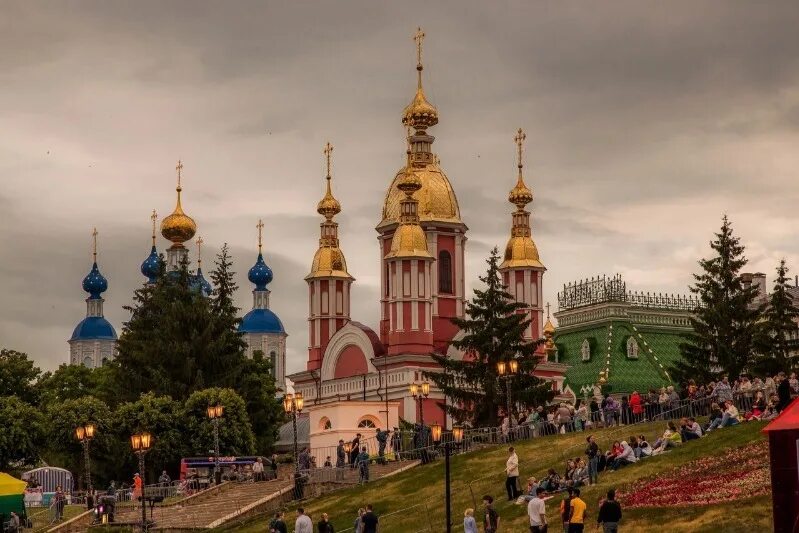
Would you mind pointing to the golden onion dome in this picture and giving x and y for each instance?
(549, 328)
(328, 206)
(178, 227)
(521, 252)
(520, 195)
(437, 201)
(420, 113)
(328, 262)
(409, 240)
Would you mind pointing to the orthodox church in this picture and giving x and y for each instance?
(360, 377)
(94, 339)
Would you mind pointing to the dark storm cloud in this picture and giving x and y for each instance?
(645, 122)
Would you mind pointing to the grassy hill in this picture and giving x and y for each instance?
(414, 500)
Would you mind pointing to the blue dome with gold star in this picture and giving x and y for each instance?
(95, 283)
(151, 266)
(260, 274)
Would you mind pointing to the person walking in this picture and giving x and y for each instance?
(469, 523)
(324, 525)
(577, 514)
(60, 500)
(258, 470)
(369, 520)
(536, 511)
(303, 523)
(512, 473)
(137, 490)
(363, 466)
(382, 440)
(354, 450)
(396, 444)
(490, 515)
(609, 513)
(565, 509)
(278, 524)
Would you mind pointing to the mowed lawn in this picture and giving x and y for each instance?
(414, 500)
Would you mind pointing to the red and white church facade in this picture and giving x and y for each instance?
(422, 242)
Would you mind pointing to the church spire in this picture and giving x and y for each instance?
(329, 260)
(151, 266)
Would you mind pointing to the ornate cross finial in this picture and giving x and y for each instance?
(260, 227)
(179, 169)
(547, 310)
(200, 242)
(418, 37)
(519, 138)
(154, 218)
(328, 151)
(94, 244)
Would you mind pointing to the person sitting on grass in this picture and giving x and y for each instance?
(552, 482)
(613, 452)
(715, 413)
(633, 442)
(729, 418)
(626, 457)
(580, 474)
(532, 486)
(689, 429)
(644, 448)
(670, 439)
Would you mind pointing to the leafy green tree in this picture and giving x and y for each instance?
(724, 324)
(22, 433)
(779, 324)
(18, 375)
(235, 433)
(494, 331)
(257, 388)
(161, 416)
(68, 382)
(61, 419)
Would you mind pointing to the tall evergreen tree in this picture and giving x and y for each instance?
(494, 332)
(724, 324)
(777, 327)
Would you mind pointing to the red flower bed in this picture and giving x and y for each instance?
(737, 473)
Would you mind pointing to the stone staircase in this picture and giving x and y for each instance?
(229, 502)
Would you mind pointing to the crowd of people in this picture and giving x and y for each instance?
(365, 522)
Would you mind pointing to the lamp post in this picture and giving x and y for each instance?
(457, 437)
(85, 433)
(215, 412)
(419, 393)
(140, 442)
(293, 404)
(506, 371)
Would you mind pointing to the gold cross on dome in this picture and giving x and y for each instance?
(418, 37)
(94, 244)
(260, 227)
(179, 169)
(200, 242)
(519, 138)
(154, 218)
(328, 151)
(547, 310)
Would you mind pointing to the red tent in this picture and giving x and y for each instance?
(783, 440)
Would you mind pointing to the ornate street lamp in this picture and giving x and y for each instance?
(215, 412)
(292, 405)
(140, 442)
(84, 434)
(457, 437)
(419, 393)
(506, 371)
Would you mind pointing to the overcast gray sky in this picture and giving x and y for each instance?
(645, 121)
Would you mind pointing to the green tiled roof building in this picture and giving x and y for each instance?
(623, 340)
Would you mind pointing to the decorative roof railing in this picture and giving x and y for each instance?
(606, 289)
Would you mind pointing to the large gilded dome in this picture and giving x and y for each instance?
(521, 251)
(328, 262)
(437, 201)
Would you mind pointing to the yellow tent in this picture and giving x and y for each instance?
(12, 495)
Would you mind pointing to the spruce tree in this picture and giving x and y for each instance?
(724, 324)
(777, 327)
(494, 332)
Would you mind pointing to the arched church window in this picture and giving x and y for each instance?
(367, 423)
(444, 272)
(585, 350)
(632, 348)
(325, 424)
(88, 362)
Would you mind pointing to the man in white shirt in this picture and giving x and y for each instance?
(303, 523)
(512, 471)
(537, 512)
